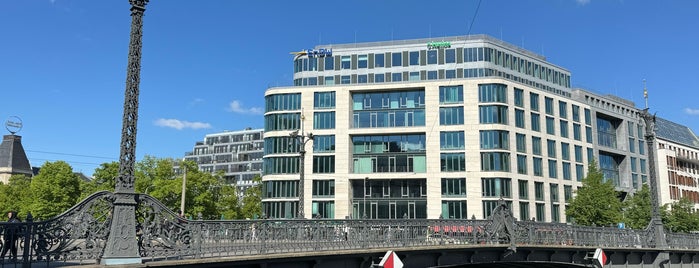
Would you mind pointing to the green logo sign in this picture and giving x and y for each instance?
(436, 45)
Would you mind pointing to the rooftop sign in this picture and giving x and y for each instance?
(436, 45)
(314, 53)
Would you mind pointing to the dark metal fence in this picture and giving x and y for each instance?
(79, 235)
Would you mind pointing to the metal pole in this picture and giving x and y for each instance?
(122, 245)
(184, 190)
(364, 194)
(656, 221)
(302, 154)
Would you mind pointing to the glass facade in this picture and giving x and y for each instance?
(388, 109)
(389, 153)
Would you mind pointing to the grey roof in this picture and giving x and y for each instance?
(671, 131)
(12, 155)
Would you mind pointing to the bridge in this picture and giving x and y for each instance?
(80, 237)
(126, 228)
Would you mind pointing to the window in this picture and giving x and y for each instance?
(578, 154)
(540, 213)
(492, 93)
(453, 187)
(362, 61)
(523, 189)
(396, 59)
(345, 79)
(588, 134)
(548, 105)
(451, 116)
(414, 76)
(643, 165)
(632, 145)
(567, 193)
(494, 139)
(566, 171)
(576, 113)
(449, 74)
(454, 209)
(590, 154)
(496, 187)
(564, 129)
(345, 62)
(324, 100)
(379, 60)
(323, 188)
(414, 58)
(329, 64)
(562, 109)
(432, 57)
(554, 192)
(451, 140)
(555, 213)
(492, 114)
(396, 77)
(450, 55)
(539, 191)
(579, 172)
(362, 79)
(523, 211)
(431, 75)
(588, 117)
(606, 132)
(534, 101)
(536, 145)
(379, 78)
(323, 209)
(519, 118)
(538, 167)
(324, 164)
(453, 162)
(633, 164)
(630, 127)
(519, 97)
(521, 164)
(536, 122)
(323, 143)
(553, 169)
(551, 148)
(641, 148)
(495, 161)
(550, 126)
(576, 132)
(329, 80)
(324, 120)
(521, 143)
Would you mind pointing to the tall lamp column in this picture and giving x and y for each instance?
(301, 140)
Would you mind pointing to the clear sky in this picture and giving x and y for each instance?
(206, 64)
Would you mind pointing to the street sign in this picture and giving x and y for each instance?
(391, 260)
(599, 258)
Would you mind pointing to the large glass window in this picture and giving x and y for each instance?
(453, 162)
(323, 143)
(280, 189)
(550, 126)
(521, 164)
(588, 134)
(606, 132)
(323, 164)
(329, 63)
(323, 120)
(454, 209)
(388, 109)
(566, 171)
(323, 188)
(565, 151)
(379, 78)
(551, 148)
(524, 210)
(324, 100)
(548, 105)
(496, 187)
(519, 118)
(451, 140)
(609, 165)
(539, 191)
(450, 55)
(414, 76)
(536, 122)
(523, 189)
(521, 143)
(519, 97)
(453, 187)
(493, 114)
(378, 60)
(389, 153)
(578, 154)
(431, 75)
(396, 59)
(534, 101)
(282, 121)
(283, 102)
(494, 139)
(576, 113)
(451, 116)
(538, 166)
(579, 172)
(553, 169)
(564, 128)
(323, 209)
(588, 117)
(553, 192)
(432, 57)
(362, 61)
(451, 94)
(540, 212)
(492, 93)
(576, 132)
(562, 109)
(495, 161)
(345, 62)
(536, 145)
(414, 57)
(345, 79)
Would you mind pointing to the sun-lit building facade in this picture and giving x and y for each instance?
(446, 127)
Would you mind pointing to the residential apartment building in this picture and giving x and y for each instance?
(237, 153)
(431, 128)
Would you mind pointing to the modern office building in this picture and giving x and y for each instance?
(678, 162)
(442, 127)
(237, 153)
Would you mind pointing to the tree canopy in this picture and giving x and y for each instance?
(596, 202)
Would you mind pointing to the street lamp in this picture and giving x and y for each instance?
(364, 194)
(301, 139)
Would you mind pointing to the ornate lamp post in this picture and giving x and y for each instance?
(656, 222)
(301, 140)
(122, 247)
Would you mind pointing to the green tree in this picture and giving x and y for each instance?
(16, 196)
(150, 169)
(681, 216)
(104, 178)
(228, 201)
(56, 188)
(596, 202)
(252, 200)
(637, 209)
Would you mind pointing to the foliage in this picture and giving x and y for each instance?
(681, 217)
(252, 200)
(596, 202)
(637, 209)
(104, 178)
(16, 196)
(56, 188)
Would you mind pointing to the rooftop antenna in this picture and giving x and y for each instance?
(645, 92)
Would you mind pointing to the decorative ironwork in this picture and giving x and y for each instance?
(658, 237)
(160, 231)
(501, 226)
(121, 247)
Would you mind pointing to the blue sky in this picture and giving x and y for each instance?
(206, 64)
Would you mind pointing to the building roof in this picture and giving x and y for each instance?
(671, 131)
(12, 155)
